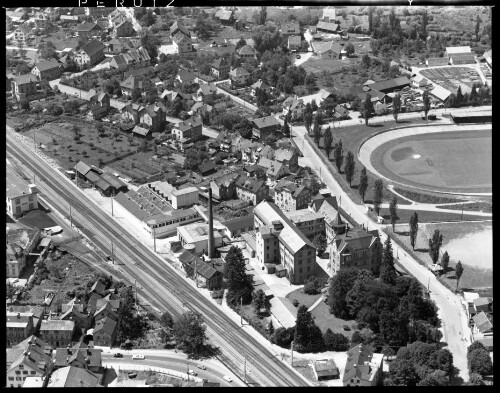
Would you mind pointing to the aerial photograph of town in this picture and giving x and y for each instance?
(249, 196)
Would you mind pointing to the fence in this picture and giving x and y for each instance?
(240, 101)
(136, 367)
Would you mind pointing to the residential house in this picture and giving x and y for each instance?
(207, 167)
(190, 129)
(82, 321)
(363, 367)
(206, 90)
(22, 33)
(124, 29)
(224, 187)
(21, 197)
(41, 21)
(36, 313)
(21, 241)
(325, 368)
(129, 113)
(56, 332)
(356, 248)
(197, 234)
(155, 117)
(182, 44)
(251, 190)
(340, 113)
(274, 169)
(186, 78)
(295, 107)
(328, 208)
(290, 29)
(226, 18)
(98, 12)
(294, 43)
(19, 327)
(204, 272)
(328, 27)
(220, 68)
(105, 331)
(239, 225)
(88, 30)
(47, 70)
(31, 358)
(259, 85)
(119, 45)
(308, 222)
(99, 105)
(419, 81)
(290, 197)
(178, 27)
(247, 52)
(90, 54)
(287, 157)
(73, 377)
(280, 243)
(98, 287)
(329, 50)
(328, 14)
(483, 324)
(200, 109)
(264, 126)
(25, 87)
(239, 76)
(134, 57)
(135, 82)
(80, 356)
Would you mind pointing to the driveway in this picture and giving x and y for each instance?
(303, 58)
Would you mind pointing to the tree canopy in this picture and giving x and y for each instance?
(190, 332)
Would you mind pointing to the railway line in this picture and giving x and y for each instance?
(162, 285)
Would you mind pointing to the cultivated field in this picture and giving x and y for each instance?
(457, 162)
(452, 77)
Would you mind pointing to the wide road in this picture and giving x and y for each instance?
(164, 286)
(451, 312)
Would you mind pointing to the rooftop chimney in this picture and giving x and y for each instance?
(211, 243)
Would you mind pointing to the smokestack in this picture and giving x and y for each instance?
(210, 226)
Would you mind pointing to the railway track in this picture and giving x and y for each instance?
(162, 285)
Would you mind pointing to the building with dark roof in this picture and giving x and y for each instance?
(210, 277)
(247, 52)
(356, 248)
(290, 29)
(190, 129)
(88, 29)
(239, 225)
(73, 377)
(25, 86)
(86, 358)
(325, 369)
(391, 85)
(483, 323)
(264, 126)
(220, 68)
(226, 18)
(105, 331)
(91, 53)
(47, 70)
(179, 27)
(437, 61)
(56, 332)
(328, 27)
(363, 367)
(251, 190)
(290, 197)
(462, 58)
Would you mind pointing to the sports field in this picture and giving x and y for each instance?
(452, 77)
(458, 162)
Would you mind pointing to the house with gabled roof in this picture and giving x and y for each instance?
(290, 197)
(328, 208)
(105, 331)
(203, 271)
(88, 29)
(21, 241)
(47, 69)
(22, 33)
(264, 126)
(287, 157)
(99, 105)
(190, 129)
(90, 54)
(177, 27)
(328, 27)
(186, 78)
(124, 29)
(224, 186)
(483, 324)
(225, 17)
(259, 85)
(251, 190)
(182, 43)
(363, 367)
(329, 50)
(73, 377)
(206, 90)
(239, 76)
(80, 356)
(98, 287)
(25, 86)
(295, 107)
(154, 116)
(355, 248)
(220, 68)
(294, 42)
(247, 52)
(82, 321)
(290, 29)
(106, 310)
(19, 327)
(56, 332)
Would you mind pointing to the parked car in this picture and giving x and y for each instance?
(138, 357)
(132, 375)
(298, 56)
(118, 355)
(192, 372)
(228, 379)
(201, 366)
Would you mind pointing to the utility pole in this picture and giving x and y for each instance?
(428, 285)
(154, 238)
(241, 315)
(70, 217)
(112, 215)
(112, 253)
(245, 370)
(292, 353)
(462, 215)
(34, 142)
(187, 369)
(135, 293)
(196, 272)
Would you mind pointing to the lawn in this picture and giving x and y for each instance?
(429, 216)
(325, 320)
(303, 298)
(424, 197)
(484, 207)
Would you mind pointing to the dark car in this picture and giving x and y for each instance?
(117, 355)
(298, 56)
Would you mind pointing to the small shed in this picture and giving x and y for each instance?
(207, 168)
(141, 132)
(280, 270)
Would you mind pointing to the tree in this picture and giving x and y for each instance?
(459, 270)
(335, 341)
(402, 373)
(327, 142)
(320, 243)
(10, 291)
(479, 362)
(393, 206)
(434, 245)
(459, 97)
(338, 155)
(349, 48)
(307, 335)
(24, 104)
(396, 106)
(260, 303)
(363, 184)
(310, 83)
(427, 103)
(387, 270)
(136, 94)
(367, 108)
(378, 193)
(238, 284)
(190, 332)
(478, 25)
(166, 319)
(286, 129)
(22, 49)
(436, 378)
(308, 118)
(425, 21)
(282, 337)
(413, 229)
(241, 43)
(317, 130)
(475, 380)
(340, 284)
(349, 166)
(445, 261)
(100, 129)
(366, 61)
(270, 327)
(263, 16)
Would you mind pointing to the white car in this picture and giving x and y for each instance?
(201, 366)
(228, 379)
(192, 372)
(138, 357)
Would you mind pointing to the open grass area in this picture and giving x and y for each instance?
(484, 207)
(325, 320)
(425, 197)
(303, 298)
(430, 216)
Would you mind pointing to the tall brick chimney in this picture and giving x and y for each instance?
(211, 243)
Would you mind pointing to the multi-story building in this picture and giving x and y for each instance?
(182, 44)
(21, 197)
(88, 30)
(279, 241)
(178, 27)
(22, 33)
(328, 208)
(21, 241)
(295, 107)
(287, 157)
(247, 52)
(264, 126)
(56, 332)
(106, 310)
(99, 104)
(73, 377)
(98, 12)
(90, 54)
(25, 86)
(105, 332)
(82, 321)
(30, 358)
(363, 367)
(41, 21)
(185, 197)
(251, 190)
(224, 187)
(290, 29)
(185, 78)
(124, 29)
(188, 129)
(220, 68)
(19, 327)
(290, 197)
(294, 42)
(79, 356)
(239, 76)
(310, 223)
(154, 116)
(47, 70)
(356, 248)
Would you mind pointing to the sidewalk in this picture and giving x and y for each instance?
(136, 367)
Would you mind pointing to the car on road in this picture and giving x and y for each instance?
(201, 366)
(298, 56)
(227, 378)
(138, 357)
(192, 372)
(132, 375)
(118, 355)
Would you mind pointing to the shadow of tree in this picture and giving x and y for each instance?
(207, 351)
(403, 233)
(375, 125)
(422, 249)
(455, 378)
